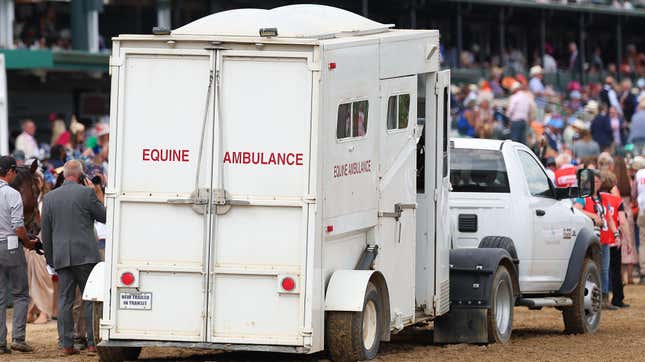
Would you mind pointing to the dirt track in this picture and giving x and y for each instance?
(537, 336)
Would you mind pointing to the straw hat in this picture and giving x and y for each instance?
(638, 163)
(515, 86)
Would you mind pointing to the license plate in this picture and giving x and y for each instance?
(135, 300)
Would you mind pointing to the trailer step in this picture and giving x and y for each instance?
(545, 302)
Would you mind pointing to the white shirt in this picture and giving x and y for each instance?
(640, 184)
(27, 144)
(536, 86)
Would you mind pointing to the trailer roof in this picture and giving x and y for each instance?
(292, 21)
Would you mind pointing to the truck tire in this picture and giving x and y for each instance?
(500, 242)
(97, 314)
(354, 336)
(584, 315)
(500, 313)
(118, 354)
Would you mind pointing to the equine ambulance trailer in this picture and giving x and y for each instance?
(272, 187)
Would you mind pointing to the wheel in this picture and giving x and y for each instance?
(499, 242)
(584, 315)
(97, 314)
(500, 313)
(118, 354)
(353, 336)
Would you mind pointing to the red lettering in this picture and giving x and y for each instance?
(299, 159)
(290, 157)
(246, 158)
(255, 160)
(227, 157)
(146, 154)
(272, 159)
(184, 156)
(163, 155)
(237, 157)
(154, 154)
(176, 155)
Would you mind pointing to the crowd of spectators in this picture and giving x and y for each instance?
(594, 125)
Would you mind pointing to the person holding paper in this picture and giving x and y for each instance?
(68, 217)
(13, 265)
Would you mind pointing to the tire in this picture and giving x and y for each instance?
(354, 336)
(97, 314)
(118, 354)
(500, 314)
(584, 315)
(500, 242)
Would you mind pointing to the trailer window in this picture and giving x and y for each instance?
(474, 170)
(398, 111)
(352, 119)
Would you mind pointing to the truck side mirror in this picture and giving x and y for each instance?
(586, 182)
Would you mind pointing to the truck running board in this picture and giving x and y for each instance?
(537, 303)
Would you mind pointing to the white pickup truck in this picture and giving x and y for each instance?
(502, 198)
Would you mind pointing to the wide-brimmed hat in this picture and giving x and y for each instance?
(638, 163)
(515, 86)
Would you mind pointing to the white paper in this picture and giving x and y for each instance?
(12, 242)
(51, 270)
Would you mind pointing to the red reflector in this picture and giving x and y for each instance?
(330, 228)
(332, 66)
(127, 278)
(288, 284)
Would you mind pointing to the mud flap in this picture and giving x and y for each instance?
(471, 274)
(461, 326)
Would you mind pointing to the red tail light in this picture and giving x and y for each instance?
(127, 278)
(288, 284)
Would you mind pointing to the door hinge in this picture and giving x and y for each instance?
(436, 195)
(115, 62)
(309, 199)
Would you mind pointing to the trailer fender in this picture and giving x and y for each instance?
(95, 282)
(472, 272)
(587, 245)
(346, 293)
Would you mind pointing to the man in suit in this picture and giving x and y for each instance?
(13, 265)
(71, 246)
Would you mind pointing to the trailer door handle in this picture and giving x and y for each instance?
(189, 201)
(540, 212)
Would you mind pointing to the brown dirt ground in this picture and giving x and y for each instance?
(537, 336)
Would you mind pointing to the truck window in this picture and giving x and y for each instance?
(398, 111)
(352, 119)
(474, 170)
(537, 180)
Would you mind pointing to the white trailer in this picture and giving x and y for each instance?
(4, 119)
(272, 187)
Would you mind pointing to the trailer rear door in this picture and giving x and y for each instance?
(157, 235)
(259, 238)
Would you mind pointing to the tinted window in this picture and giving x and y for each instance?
(537, 180)
(398, 111)
(473, 170)
(352, 119)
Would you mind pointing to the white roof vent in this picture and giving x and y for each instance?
(292, 21)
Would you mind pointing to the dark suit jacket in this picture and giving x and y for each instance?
(68, 217)
(601, 131)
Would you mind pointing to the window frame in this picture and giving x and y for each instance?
(539, 165)
(387, 112)
(351, 102)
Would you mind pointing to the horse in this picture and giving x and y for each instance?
(29, 184)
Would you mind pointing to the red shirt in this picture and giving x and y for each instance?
(610, 205)
(565, 176)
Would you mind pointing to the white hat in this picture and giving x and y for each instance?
(638, 163)
(536, 69)
(592, 107)
(579, 124)
(101, 129)
(515, 86)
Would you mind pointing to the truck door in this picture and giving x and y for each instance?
(397, 207)
(162, 114)
(442, 174)
(549, 250)
(261, 187)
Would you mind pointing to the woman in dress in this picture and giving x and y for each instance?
(629, 256)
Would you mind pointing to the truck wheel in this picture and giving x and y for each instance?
(353, 336)
(500, 313)
(97, 314)
(499, 242)
(118, 354)
(584, 315)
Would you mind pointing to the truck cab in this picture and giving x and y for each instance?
(502, 197)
